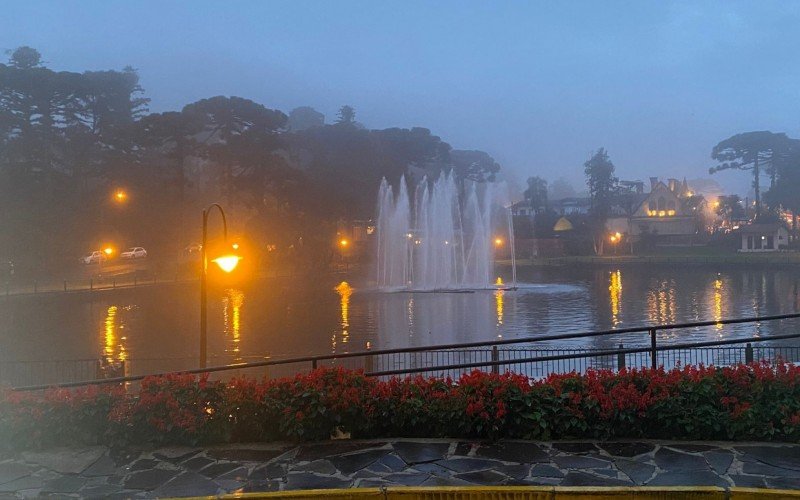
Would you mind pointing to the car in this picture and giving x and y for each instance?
(93, 257)
(192, 250)
(134, 253)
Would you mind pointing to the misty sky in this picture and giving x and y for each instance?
(538, 85)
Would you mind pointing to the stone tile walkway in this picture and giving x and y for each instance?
(168, 472)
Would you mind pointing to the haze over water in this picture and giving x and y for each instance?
(296, 319)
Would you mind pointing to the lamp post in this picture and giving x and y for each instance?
(226, 262)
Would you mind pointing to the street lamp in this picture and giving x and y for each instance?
(120, 196)
(226, 262)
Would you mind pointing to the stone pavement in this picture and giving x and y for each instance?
(168, 472)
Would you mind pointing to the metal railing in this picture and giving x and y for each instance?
(453, 359)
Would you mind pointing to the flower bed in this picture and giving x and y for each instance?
(745, 402)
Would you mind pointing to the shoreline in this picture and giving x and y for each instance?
(773, 259)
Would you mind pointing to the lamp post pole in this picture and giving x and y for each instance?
(203, 280)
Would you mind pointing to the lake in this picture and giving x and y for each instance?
(157, 328)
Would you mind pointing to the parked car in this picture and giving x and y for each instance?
(192, 250)
(94, 257)
(134, 253)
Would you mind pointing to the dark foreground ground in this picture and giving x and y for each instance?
(102, 473)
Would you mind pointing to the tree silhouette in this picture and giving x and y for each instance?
(536, 193)
(750, 151)
(346, 116)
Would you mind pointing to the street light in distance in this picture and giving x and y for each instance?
(120, 196)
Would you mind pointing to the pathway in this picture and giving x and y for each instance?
(179, 471)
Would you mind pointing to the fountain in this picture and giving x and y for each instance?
(434, 240)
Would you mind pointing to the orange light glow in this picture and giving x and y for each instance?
(235, 246)
(120, 196)
(498, 242)
(227, 262)
(108, 250)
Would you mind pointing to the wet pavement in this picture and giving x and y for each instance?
(100, 472)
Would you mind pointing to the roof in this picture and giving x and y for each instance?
(768, 227)
(563, 224)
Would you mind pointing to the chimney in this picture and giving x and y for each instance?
(673, 185)
(653, 182)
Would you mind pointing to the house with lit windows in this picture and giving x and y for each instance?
(670, 214)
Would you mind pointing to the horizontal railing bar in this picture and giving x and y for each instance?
(562, 336)
(560, 357)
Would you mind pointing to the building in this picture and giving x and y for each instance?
(670, 214)
(764, 237)
(571, 206)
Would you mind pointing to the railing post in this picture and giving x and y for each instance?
(495, 358)
(748, 353)
(653, 352)
(65, 285)
(621, 359)
(369, 364)
(313, 364)
(114, 283)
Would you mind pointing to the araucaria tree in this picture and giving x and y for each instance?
(752, 151)
(536, 194)
(602, 185)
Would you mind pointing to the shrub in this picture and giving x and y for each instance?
(743, 402)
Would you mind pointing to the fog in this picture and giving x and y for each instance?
(538, 85)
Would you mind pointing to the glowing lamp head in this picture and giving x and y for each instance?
(227, 262)
(235, 246)
(344, 243)
(613, 238)
(498, 242)
(108, 250)
(120, 196)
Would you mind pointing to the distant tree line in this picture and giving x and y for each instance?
(68, 140)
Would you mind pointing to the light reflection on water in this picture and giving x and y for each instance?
(335, 316)
(232, 302)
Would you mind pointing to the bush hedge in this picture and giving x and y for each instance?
(744, 402)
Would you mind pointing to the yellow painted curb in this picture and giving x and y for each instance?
(761, 493)
(527, 493)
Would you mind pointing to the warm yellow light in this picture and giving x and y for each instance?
(662, 213)
(108, 250)
(498, 242)
(618, 235)
(227, 262)
(120, 195)
(499, 281)
(344, 243)
(409, 235)
(235, 246)
(716, 204)
(613, 238)
(671, 213)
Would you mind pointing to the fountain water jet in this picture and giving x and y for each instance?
(435, 240)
